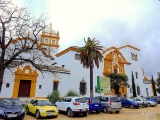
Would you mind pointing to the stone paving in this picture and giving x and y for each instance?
(150, 113)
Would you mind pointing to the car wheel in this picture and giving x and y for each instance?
(105, 110)
(117, 111)
(55, 116)
(149, 104)
(85, 114)
(27, 111)
(38, 114)
(98, 111)
(69, 113)
(131, 106)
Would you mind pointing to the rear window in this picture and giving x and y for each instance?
(94, 100)
(81, 100)
(115, 99)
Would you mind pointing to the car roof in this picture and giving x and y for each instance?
(73, 97)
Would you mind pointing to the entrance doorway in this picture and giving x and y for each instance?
(24, 88)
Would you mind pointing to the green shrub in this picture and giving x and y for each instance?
(72, 93)
(53, 97)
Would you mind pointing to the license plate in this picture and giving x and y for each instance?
(96, 105)
(83, 109)
(12, 115)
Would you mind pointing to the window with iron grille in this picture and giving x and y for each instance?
(77, 56)
(82, 88)
(7, 85)
(55, 86)
(138, 90)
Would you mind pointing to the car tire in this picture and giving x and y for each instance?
(27, 111)
(131, 106)
(105, 110)
(85, 114)
(69, 113)
(37, 114)
(98, 111)
(149, 104)
(117, 111)
(55, 116)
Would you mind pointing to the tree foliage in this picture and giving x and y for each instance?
(54, 96)
(153, 86)
(90, 55)
(72, 93)
(118, 80)
(158, 83)
(133, 86)
(19, 33)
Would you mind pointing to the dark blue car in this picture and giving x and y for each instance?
(11, 108)
(127, 102)
(94, 104)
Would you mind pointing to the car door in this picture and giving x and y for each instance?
(123, 102)
(33, 107)
(60, 103)
(30, 105)
(127, 103)
(66, 103)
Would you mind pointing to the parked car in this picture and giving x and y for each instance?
(157, 98)
(42, 108)
(110, 104)
(94, 104)
(73, 105)
(151, 102)
(142, 101)
(128, 102)
(11, 108)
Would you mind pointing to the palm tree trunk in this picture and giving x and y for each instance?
(91, 79)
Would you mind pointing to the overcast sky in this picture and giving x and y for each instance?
(113, 22)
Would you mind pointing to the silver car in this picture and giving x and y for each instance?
(151, 102)
(110, 104)
(142, 101)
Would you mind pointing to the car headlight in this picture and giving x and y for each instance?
(56, 109)
(41, 109)
(23, 110)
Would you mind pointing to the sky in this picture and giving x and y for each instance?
(112, 22)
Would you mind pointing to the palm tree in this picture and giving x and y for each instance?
(90, 55)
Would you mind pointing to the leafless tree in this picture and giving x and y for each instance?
(19, 34)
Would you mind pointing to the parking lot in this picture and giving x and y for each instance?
(149, 113)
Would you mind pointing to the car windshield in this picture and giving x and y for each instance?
(11, 102)
(44, 103)
(115, 99)
(144, 99)
(129, 99)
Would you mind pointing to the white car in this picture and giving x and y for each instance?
(73, 106)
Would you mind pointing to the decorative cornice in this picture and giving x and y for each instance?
(129, 46)
(72, 48)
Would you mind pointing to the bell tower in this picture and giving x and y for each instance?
(50, 40)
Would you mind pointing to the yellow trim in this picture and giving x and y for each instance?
(20, 74)
(56, 80)
(67, 50)
(130, 47)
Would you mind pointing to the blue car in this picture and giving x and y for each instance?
(11, 108)
(94, 104)
(127, 102)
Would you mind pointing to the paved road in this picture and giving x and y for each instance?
(150, 113)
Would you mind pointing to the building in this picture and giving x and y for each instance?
(68, 74)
